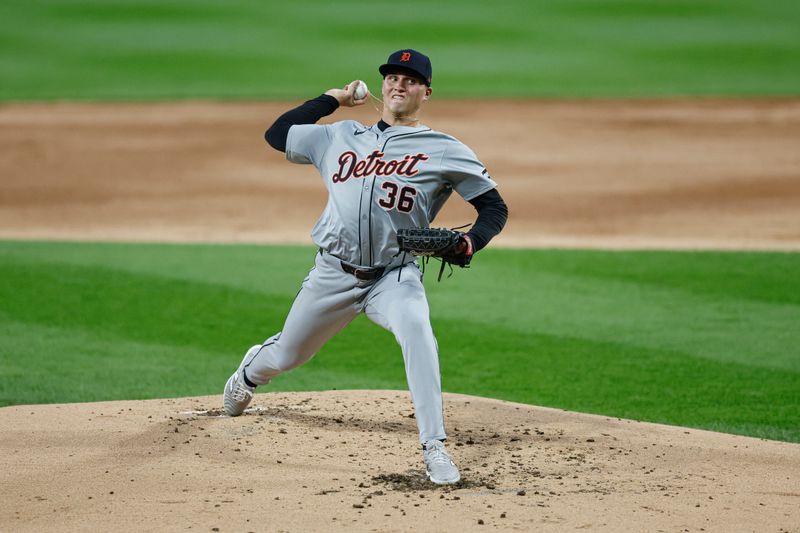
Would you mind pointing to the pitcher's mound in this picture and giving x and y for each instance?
(351, 460)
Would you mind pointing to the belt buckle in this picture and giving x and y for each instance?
(364, 275)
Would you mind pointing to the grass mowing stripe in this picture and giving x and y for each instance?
(726, 326)
(119, 305)
(257, 268)
(702, 339)
(133, 50)
(45, 364)
(738, 275)
(618, 379)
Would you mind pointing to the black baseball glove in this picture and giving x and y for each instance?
(452, 247)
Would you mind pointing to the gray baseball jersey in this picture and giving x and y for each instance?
(378, 182)
(381, 181)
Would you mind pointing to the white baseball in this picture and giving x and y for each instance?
(361, 90)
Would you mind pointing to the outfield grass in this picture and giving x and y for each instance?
(167, 49)
(707, 340)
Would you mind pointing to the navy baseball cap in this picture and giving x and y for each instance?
(411, 60)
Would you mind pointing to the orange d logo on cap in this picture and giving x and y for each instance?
(409, 61)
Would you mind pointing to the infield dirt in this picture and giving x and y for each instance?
(705, 174)
(647, 174)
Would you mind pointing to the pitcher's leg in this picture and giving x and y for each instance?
(402, 308)
(324, 305)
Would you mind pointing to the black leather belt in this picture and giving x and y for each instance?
(363, 274)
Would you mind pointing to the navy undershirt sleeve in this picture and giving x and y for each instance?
(492, 216)
(307, 113)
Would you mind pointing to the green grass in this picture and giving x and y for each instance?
(706, 340)
(146, 49)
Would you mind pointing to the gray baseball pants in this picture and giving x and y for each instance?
(329, 300)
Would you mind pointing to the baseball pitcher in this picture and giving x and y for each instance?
(394, 175)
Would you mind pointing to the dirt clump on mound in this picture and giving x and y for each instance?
(351, 461)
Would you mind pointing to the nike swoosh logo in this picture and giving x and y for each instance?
(360, 132)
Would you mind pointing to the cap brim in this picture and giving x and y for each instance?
(386, 68)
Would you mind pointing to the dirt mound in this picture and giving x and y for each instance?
(350, 460)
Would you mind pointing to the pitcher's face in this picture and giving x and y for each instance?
(403, 94)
